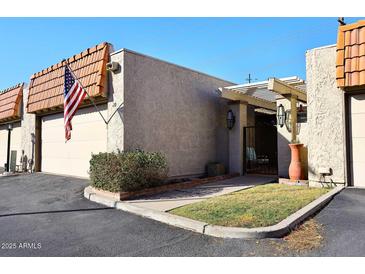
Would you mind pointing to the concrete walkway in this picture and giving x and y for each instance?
(172, 199)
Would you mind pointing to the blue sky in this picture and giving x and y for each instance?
(228, 48)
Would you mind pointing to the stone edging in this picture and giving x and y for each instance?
(274, 231)
(159, 189)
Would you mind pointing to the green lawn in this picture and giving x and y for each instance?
(256, 207)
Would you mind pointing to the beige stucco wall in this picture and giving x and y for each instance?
(174, 110)
(28, 128)
(284, 139)
(115, 134)
(235, 140)
(167, 108)
(326, 141)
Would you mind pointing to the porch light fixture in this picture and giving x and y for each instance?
(288, 122)
(231, 119)
(281, 115)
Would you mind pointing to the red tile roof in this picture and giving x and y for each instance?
(350, 63)
(89, 66)
(10, 102)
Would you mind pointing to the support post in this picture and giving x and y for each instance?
(293, 114)
(8, 152)
(38, 145)
(295, 167)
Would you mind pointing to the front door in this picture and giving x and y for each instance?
(260, 150)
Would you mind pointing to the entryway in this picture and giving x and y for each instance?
(260, 150)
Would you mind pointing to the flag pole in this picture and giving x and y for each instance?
(89, 97)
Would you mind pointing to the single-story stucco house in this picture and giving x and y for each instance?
(155, 105)
(148, 104)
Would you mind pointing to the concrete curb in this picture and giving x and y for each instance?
(146, 212)
(274, 231)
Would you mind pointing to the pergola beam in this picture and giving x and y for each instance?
(251, 100)
(285, 89)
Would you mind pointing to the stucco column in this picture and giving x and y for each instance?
(28, 128)
(239, 109)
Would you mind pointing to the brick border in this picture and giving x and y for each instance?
(160, 189)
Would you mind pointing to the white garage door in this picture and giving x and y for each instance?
(357, 129)
(89, 135)
(15, 142)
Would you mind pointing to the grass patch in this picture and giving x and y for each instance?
(256, 207)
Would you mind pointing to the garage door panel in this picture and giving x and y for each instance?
(358, 173)
(357, 103)
(357, 127)
(77, 150)
(89, 135)
(3, 145)
(358, 149)
(74, 167)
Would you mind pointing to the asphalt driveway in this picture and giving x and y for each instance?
(343, 221)
(45, 215)
(51, 212)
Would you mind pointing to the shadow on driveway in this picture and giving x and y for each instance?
(53, 211)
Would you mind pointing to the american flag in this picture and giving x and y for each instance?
(74, 93)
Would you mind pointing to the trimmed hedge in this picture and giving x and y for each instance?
(127, 170)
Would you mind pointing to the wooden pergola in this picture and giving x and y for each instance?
(263, 95)
(235, 95)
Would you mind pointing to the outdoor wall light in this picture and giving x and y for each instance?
(231, 119)
(288, 122)
(281, 115)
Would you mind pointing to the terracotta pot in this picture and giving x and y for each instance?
(295, 167)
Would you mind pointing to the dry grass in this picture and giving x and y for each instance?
(305, 237)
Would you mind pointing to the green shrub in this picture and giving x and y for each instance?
(127, 170)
